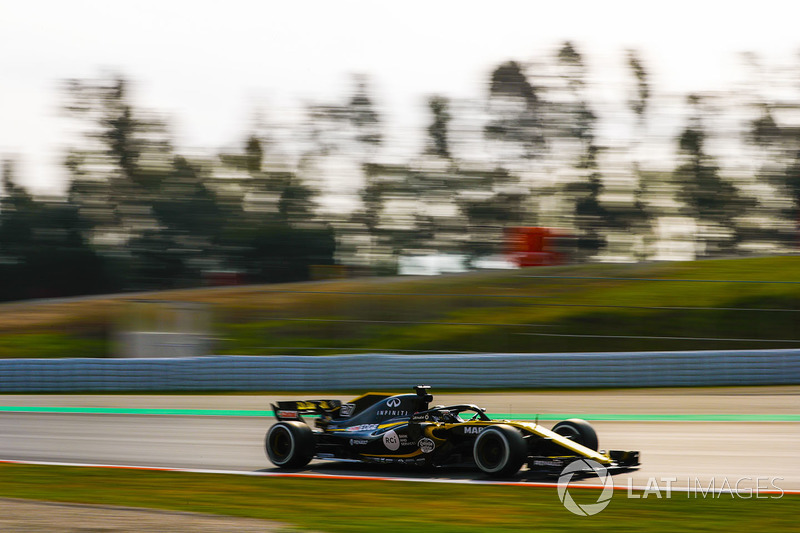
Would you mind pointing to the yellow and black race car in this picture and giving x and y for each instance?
(404, 429)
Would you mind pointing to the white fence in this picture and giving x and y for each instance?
(376, 371)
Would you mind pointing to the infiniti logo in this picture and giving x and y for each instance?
(393, 402)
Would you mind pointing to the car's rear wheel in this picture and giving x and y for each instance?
(290, 444)
(500, 451)
(578, 430)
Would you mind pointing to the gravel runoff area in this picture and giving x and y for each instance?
(25, 516)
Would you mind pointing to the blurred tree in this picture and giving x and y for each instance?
(591, 219)
(159, 260)
(371, 196)
(273, 251)
(274, 193)
(635, 216)
(774, 167)
(351, 130)
(274, 233)
(352, 127)
(514, 110)
(487, 217)
(296, 202)
(362, 114)
(185, 205)
(254, 155)
(791, 181)
(772, 150)
(170, 223)
(126, 149)
(763, 130)
(582, 121)
(491, 200)
(639, 103)
(709, 199)
(148, 209)
(42, 250)
(438, 140)
(17, 209)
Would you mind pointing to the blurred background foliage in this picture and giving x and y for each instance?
(749, 303)
(328, 199)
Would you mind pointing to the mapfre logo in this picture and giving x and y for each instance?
(585, 466)
(393, 402)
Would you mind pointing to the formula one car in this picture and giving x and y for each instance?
(403, 429)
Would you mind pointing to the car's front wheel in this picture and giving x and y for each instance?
(578, 430)
(500, 451)
(290, 444)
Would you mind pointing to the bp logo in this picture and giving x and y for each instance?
(586, 509)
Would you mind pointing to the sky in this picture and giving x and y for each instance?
(211, 65)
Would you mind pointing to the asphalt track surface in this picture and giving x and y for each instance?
(676, 430)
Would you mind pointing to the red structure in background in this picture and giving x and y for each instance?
(532, 246)
(223, 278)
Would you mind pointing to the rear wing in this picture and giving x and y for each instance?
(294, 410)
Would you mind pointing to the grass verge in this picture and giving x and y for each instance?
(51, 345)
(703, 305)
(346, 505)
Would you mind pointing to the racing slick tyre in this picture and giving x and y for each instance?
(500, 450)
(290, 444)
(578, 430)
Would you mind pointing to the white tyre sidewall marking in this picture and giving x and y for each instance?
(291, 448)
(504, 462)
